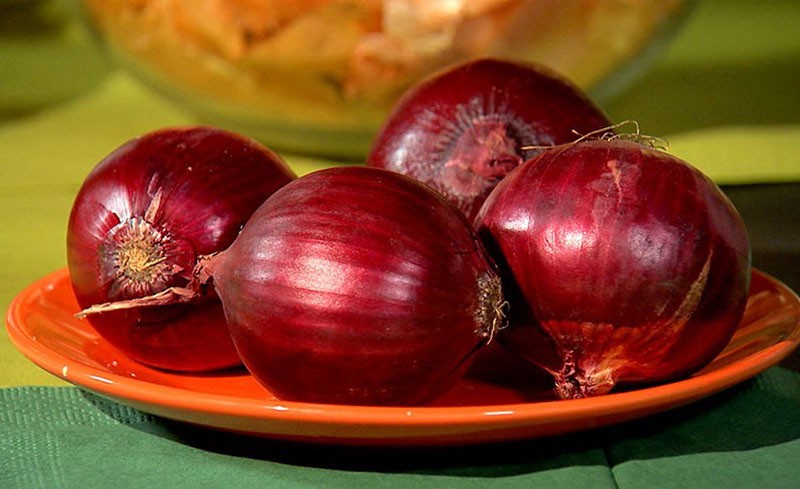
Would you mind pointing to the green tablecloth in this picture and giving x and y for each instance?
(724, 96)
(748, 436)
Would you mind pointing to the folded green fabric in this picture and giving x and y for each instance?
(62, 437)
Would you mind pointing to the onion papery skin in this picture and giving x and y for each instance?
(622, 264)
(141, 219)
(463, 129)
(356, 285)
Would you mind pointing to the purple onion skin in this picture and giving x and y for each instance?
(141, 219)
(356, 285)
(463, 129)
(622, 264)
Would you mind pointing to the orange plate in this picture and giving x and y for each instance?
(481, 408)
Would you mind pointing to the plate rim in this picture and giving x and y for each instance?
(144, 394)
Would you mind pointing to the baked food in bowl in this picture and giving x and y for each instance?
(319, 76)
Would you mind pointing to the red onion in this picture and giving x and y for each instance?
(463, 129)
(624, 264)
(358, 286)
(141, 219)
(355, 285)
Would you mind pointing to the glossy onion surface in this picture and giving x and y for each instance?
(140, 220)
(357, 285)
(462, 130)
(624, 264)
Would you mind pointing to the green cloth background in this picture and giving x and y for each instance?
(726, 96)
(746, 437)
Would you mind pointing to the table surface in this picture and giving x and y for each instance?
(725, 97)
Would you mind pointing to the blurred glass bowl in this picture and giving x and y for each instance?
(319, 76)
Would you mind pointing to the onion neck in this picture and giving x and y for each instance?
(481, 157)
(491, 313)
(573, 382)
(136, 260)
(195, 290)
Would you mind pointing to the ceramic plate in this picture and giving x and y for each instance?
(483, 407)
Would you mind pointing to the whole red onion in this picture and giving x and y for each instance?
(463, 129)
(141, 219)
(356, 285)
(624, 264)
